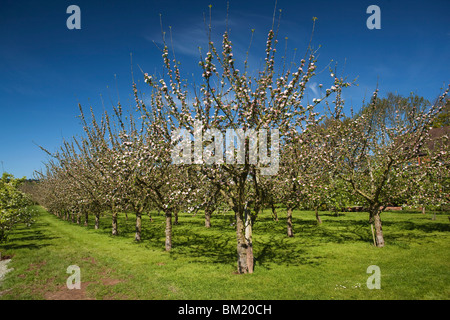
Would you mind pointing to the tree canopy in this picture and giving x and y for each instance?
(14, 205)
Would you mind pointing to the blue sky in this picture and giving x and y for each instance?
(47, 69)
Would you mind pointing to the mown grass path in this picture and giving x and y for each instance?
(328, 261)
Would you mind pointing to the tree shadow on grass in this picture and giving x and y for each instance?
(211, 246)
(427, 227)
(330, 231)
(341, 231)
(281, 250)
(28, 238)
(307, 232)
(406, 232)
(205, 247)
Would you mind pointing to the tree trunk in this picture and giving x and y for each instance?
(378, 229)
(86, 217)
(241, 242)
(274, 212)
(249, 242)
(79, 218)
(423, 209)
(115, 230)
(336, 212)
(97, 220)
(238, 205)
(176, 218)
(137, 236)
(290, 231)
(319, 221)
(168, 215)
(208, 217)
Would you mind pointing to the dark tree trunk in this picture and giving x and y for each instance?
(137, 236)
(375, 218)
(208, 211)
(274, 212)
(319, 221)
(290, 231)
(86, 218)
(176, 218)
(244, 254)
(168, 242)
(336, 212)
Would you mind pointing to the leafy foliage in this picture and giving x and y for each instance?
(14, 205)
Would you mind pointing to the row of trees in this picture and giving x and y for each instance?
(15, 206)
(124, 161)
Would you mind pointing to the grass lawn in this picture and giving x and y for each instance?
(327, 261)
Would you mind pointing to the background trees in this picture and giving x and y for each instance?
(372, 152)
(431, 181)
(14, 205)
(443, 118)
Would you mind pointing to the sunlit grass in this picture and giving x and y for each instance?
(327, 261)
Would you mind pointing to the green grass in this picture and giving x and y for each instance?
(321, 262)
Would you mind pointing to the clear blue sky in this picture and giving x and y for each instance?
(46, 69)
